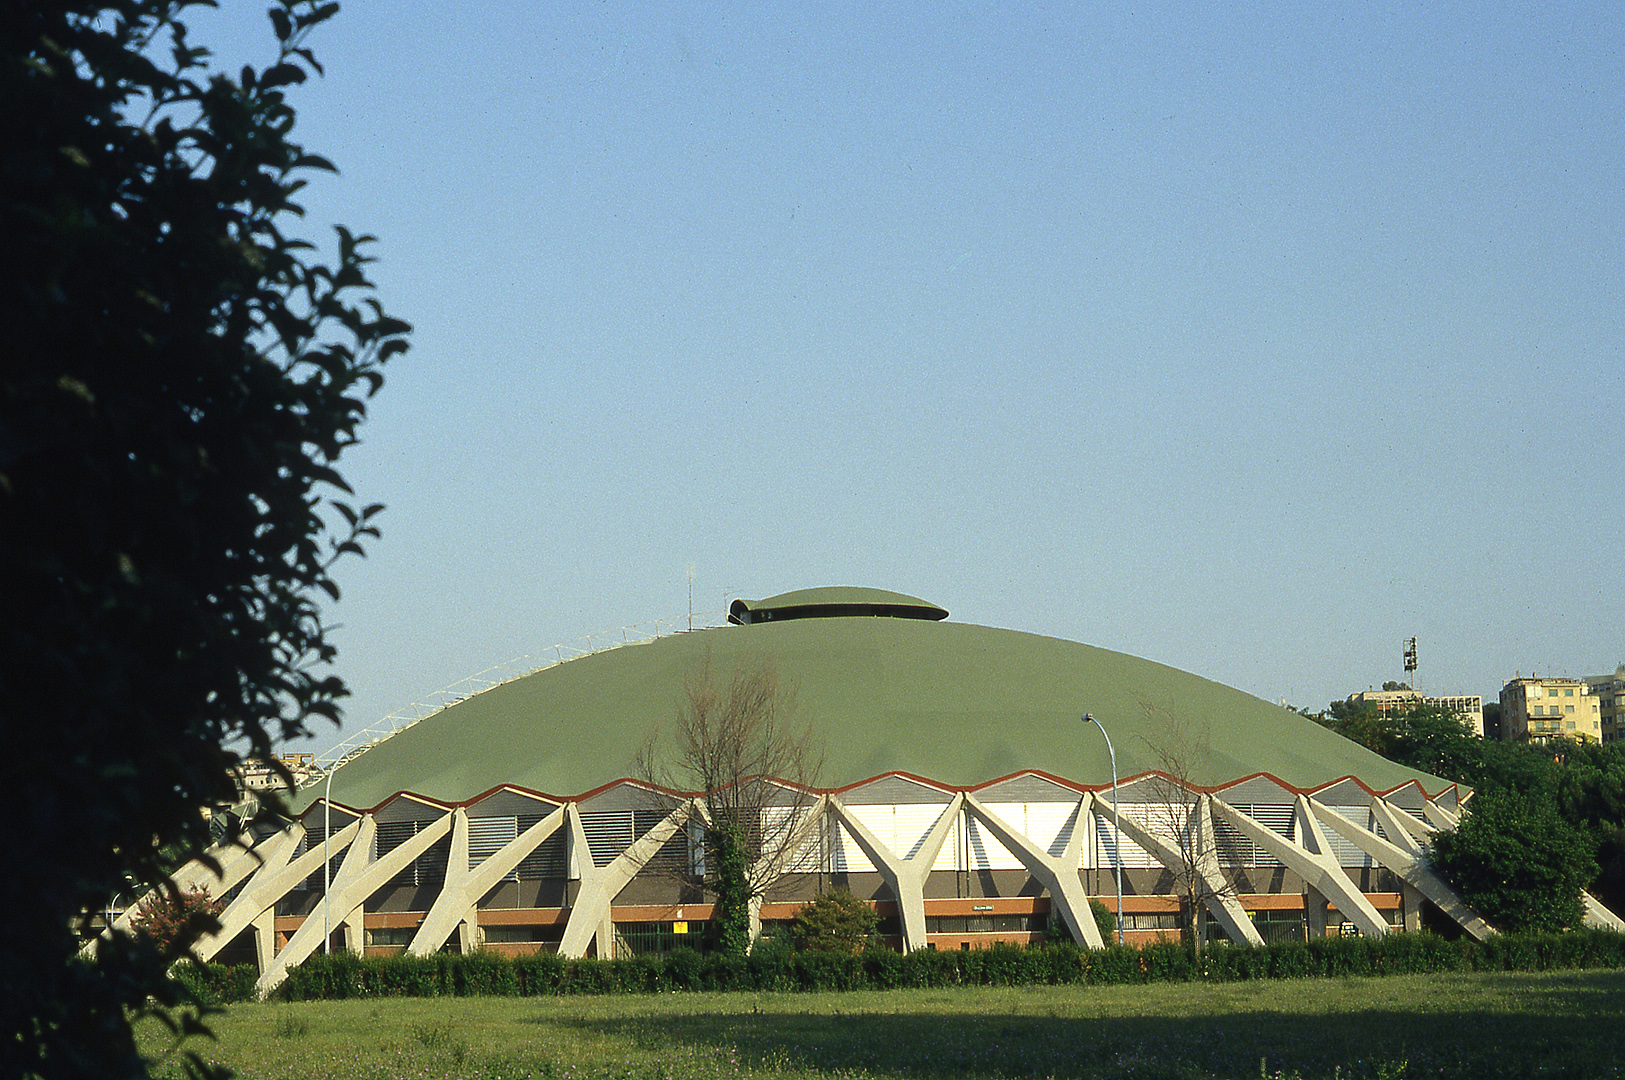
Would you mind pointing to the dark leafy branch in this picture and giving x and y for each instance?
(183, 379)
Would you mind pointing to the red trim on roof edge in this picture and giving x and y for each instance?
(947, 789)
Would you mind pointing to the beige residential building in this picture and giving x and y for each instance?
(1610, 691)
(1470, 706)
(255, 774)
(1536, 709)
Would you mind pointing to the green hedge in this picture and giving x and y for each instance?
(777, 968)
(218, 984)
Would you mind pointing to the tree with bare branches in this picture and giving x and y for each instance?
(1179, 816)
(753, 769)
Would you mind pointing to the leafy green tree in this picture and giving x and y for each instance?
(1106, 922)
(1510, 766)
(1429, 737)
(1517, 862)
(1435, 739)
(181, 379)
(1590, 788)
(835, 922)
(1361, 723)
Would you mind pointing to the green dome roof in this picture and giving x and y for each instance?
(830, 603)
(949, 702)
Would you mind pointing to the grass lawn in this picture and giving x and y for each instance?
(1471, 1025)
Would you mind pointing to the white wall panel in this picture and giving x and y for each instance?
(913, 823)
(1346, 853)
(951, 859)
(846, 857)
(986, 853)
(777, 821)
(1134, 856)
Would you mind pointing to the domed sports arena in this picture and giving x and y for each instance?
(960, 791)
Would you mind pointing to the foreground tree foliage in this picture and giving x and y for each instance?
(1580, 783)
(1517, 862)
(170, 917)
(838, 922)
(181, 379)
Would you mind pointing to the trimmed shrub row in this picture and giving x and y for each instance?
(218, 984)
(448, 974)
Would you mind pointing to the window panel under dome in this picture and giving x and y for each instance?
(428, 868)
(1134, 857)
(1342, 849)
(1236, 848)
(551, 859)
(611, 832)
(986, 853)
(487, 836)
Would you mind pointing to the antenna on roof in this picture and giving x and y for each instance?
(689, 570)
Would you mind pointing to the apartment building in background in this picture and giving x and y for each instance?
(1610, 691)
(1539, 708)
(1469, 706)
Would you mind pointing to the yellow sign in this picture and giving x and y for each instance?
(679, 927)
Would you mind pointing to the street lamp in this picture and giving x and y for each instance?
(327, 862)
(1117, 831)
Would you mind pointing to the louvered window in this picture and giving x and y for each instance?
(673, 856)
(1134, 857)
(1279, 819)
(1236, 848)
(551, 859)
(1346, 853)
(428, 868)
(315, 832)
(487, 836)
(611, 832)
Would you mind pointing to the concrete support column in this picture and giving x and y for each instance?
(265, 937)
(355, 933)
(1222, 903)
(275, 876)
(590, 919)
(469, 937)
(1410, 900)
(1408, 862)
(1314, 912)
(1058, 876)
(459, 897)
(774, 864)
(905, 877)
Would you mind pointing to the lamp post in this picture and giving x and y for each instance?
(112, 906)
(327, 862)
(1117, 831)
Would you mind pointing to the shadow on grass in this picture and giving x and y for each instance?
(1566, 1025)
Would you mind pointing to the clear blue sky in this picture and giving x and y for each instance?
(1251, 339)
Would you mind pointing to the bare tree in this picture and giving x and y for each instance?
(1179, 816)
(753, 769)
